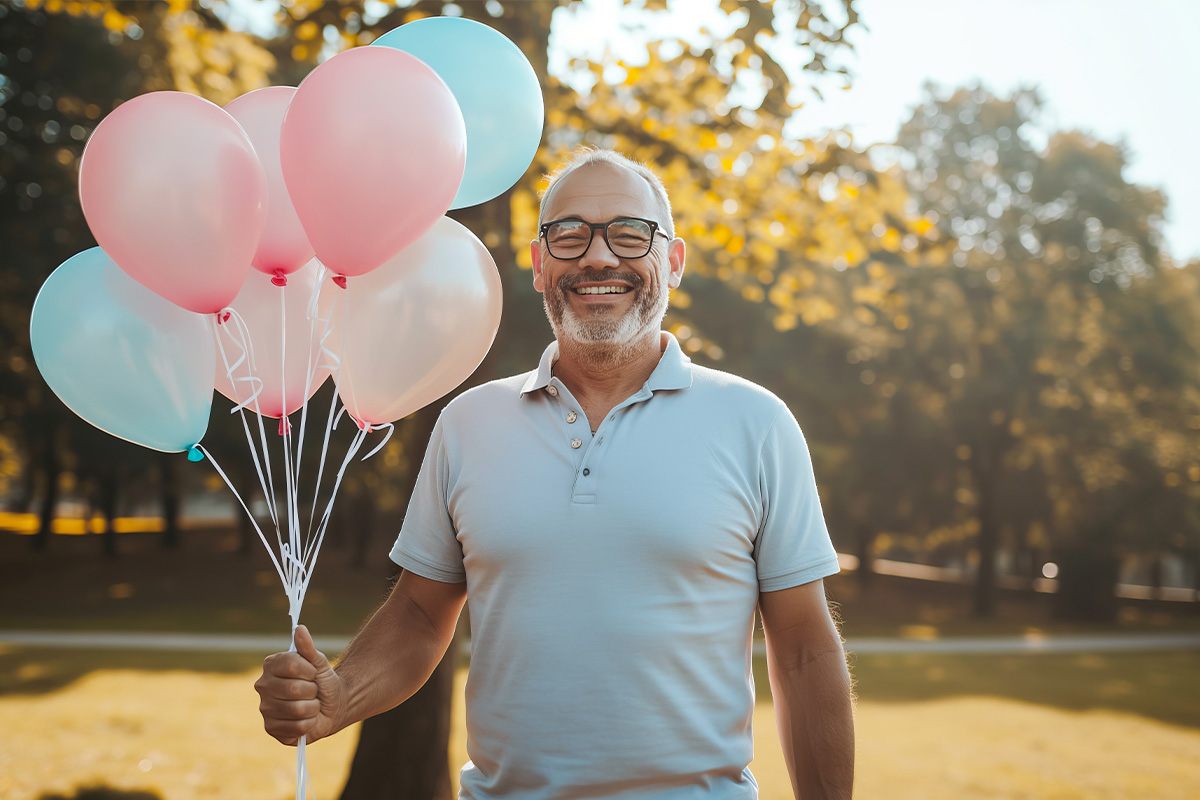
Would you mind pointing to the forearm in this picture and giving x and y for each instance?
(391, 657)
(813, 709)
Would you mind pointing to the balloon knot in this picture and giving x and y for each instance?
(194, 454)
(340, 280)
(284, 426)
(365, 427)
(279, 279)
(223, 316)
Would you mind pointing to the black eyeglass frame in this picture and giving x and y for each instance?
(595, 226)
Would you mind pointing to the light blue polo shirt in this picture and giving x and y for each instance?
(612, 578)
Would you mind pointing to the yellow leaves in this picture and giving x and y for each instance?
(762, 252)
(300, 52)
(114, 20)
(307, 31)
(708, 140)
(722, 233)
(735, 245)
(815, 310)
(648, 125)
(754, 294)
(727, 164)
(785, 321)
(921, 226)
(632, 74)
(890, 240)
(523, 206)
(680, 298)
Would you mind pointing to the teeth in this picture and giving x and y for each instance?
(602, 290)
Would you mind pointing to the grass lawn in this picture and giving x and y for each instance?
(186, 727)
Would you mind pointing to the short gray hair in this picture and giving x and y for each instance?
(592, 156)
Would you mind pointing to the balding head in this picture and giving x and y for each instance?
(594, 156)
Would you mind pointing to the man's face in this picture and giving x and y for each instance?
(600, 298)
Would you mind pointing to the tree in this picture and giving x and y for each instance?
(1016, 329)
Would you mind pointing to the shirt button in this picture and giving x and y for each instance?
(572, 417)
(576, 443)
(552, 391)
(587, 471)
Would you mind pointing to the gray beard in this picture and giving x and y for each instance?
(603, 336)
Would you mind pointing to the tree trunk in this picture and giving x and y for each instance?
(109, 487)
(863, 550)
(170, 500)
(52, 467)
(983, 594)
(1156, 574)
(363, 514)
(404, 753)
(1087, 577)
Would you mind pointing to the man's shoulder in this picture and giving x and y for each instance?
(494, 396)
(725, 389)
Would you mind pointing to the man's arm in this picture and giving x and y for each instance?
(811, 687)
(386, 663)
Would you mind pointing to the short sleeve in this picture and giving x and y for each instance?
(428, 544)
(792, 546)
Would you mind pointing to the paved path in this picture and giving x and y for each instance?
(256, 643)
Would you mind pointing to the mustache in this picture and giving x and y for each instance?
(572, 279)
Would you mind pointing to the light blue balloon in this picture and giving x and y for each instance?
(497, 90)
(126, 360)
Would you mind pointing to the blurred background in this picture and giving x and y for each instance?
(958, 240)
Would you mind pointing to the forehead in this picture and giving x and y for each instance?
(600, 192)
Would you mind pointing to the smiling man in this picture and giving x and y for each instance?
(615, 517)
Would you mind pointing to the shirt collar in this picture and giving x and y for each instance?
(674, 370)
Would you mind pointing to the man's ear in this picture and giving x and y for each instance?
(535, 258)
(676, 255)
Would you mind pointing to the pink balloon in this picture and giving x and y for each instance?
(174, 193)
(373, 150)
(284, 246)
(282, 356)
(418, 326)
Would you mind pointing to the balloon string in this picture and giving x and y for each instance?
(311, 556)
(331, 420)
(266, 482)
(291, 492)
(278, 568)
(245, 341)
(335, 359)
(391, 428)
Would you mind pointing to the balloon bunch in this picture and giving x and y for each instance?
(296, 234)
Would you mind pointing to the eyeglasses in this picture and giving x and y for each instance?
(626, 237)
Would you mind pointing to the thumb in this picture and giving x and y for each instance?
(306, 648)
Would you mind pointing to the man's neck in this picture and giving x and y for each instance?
(604, 376)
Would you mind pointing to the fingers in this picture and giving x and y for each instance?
(306, 648)
(288, 696)
(287, 665)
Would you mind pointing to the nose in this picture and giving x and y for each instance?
(598, 255)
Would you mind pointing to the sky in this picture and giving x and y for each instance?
(1121, 70)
